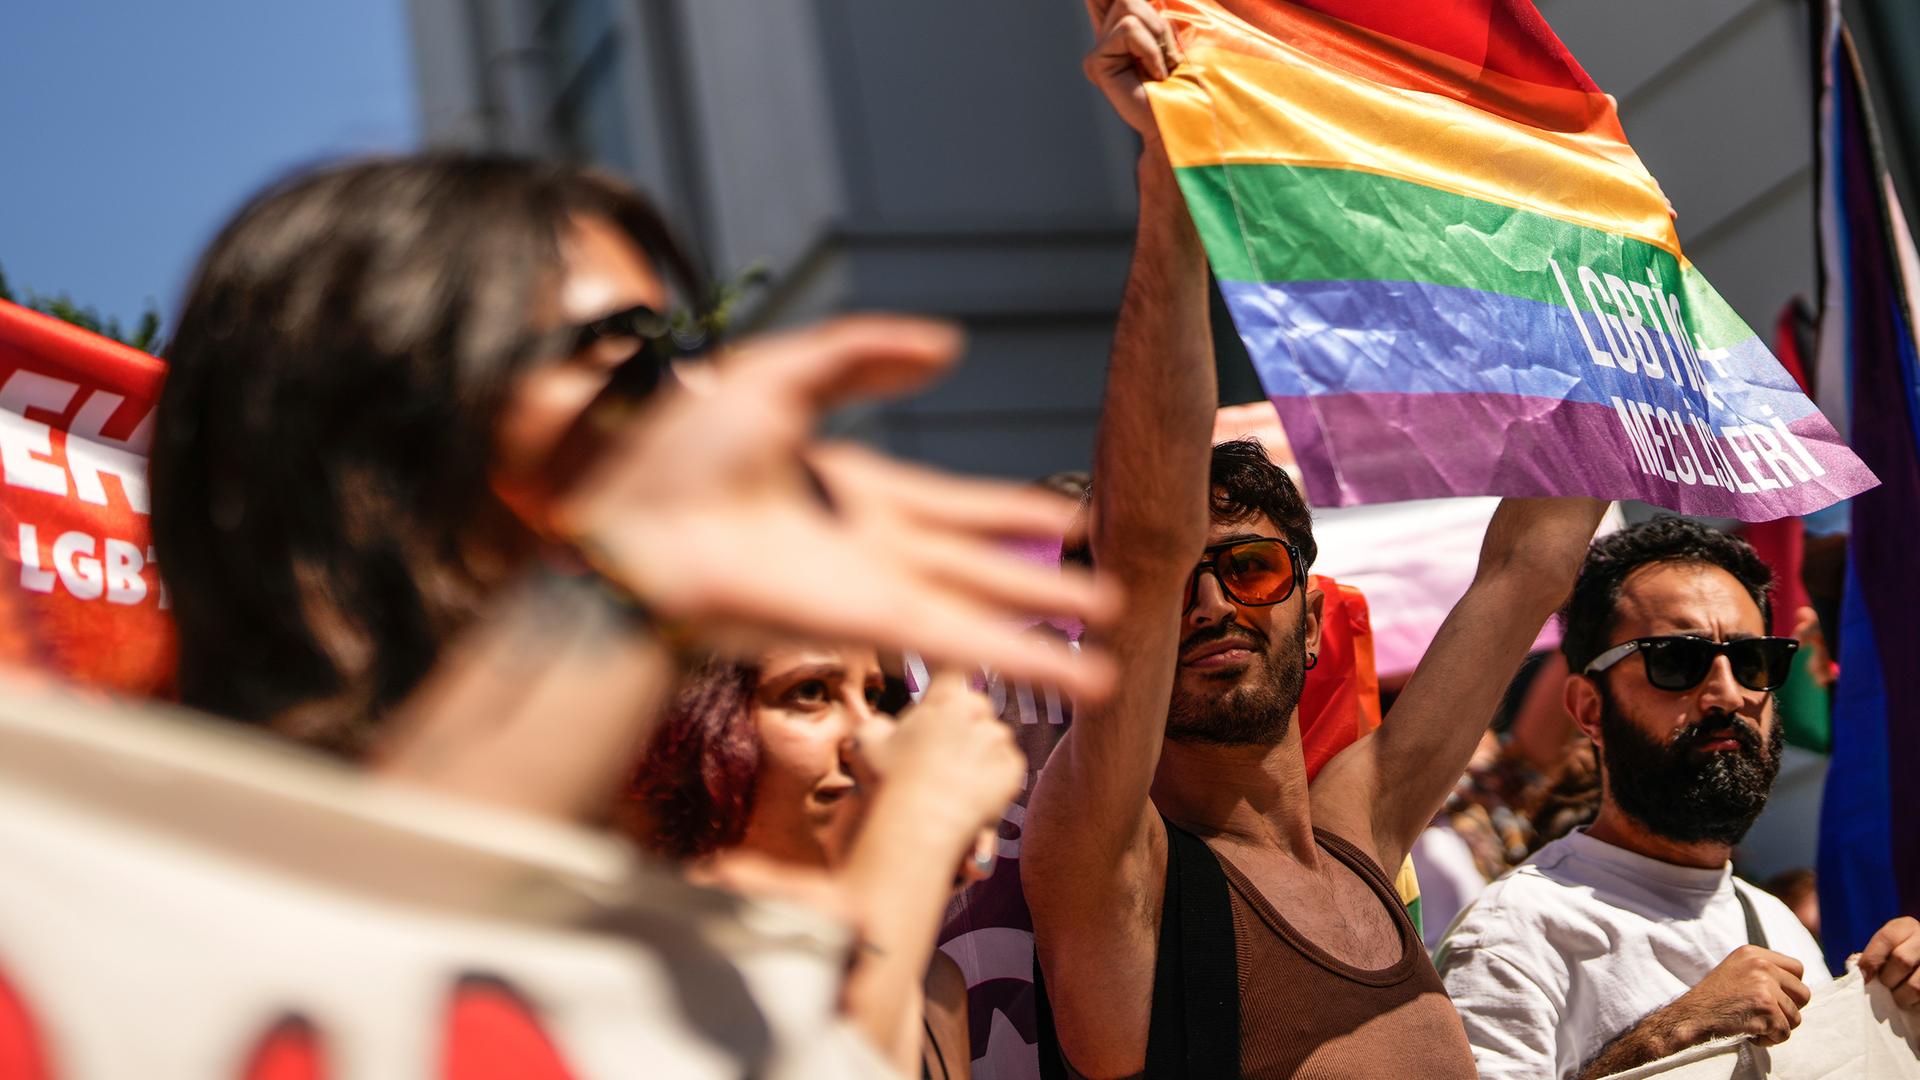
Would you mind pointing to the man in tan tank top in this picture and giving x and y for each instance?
(1326, 977)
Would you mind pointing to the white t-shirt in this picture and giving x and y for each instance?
(1583, 940)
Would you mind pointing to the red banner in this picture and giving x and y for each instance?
(83, 599)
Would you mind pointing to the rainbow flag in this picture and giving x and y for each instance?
(1455, 277)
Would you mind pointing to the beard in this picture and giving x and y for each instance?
(1253, 710)
(1675, 792)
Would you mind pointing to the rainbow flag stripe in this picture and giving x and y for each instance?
(1454, 275)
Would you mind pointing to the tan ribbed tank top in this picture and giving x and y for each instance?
(1308, 1016)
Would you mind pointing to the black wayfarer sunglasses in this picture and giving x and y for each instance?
(1679, 661)
(661, 341)
(661, 338)
(1255, 572)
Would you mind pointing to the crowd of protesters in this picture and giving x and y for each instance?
(453, 482)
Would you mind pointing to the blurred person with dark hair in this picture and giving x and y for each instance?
(1630, 939)
(431, 495)
(1488, 825)
(389, 391)
(1491, 806)
(1198, 909)
(356, 363)
(786, 760)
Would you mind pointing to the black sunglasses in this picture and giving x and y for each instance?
(1257, 572)
(662, 340)
(1680, 661)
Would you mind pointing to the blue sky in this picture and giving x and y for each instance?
(129, 131)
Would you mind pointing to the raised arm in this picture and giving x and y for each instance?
(950, 768)
(1386, 787)
(1090, 810)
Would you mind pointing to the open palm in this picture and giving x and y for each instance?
(709, 505)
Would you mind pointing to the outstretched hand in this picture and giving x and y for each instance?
(708, 506)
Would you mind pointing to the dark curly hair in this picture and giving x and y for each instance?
(1247, 484)
(1591, 611)
(693, 791)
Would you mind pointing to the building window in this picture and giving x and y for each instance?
(586, 55)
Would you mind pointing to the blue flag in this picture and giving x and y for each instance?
(1870, 824)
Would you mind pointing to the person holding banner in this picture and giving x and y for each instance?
(1629, 939)
(1199, 910)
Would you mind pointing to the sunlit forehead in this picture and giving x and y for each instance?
(1228, 532)
(604, 273)
(1686, 598)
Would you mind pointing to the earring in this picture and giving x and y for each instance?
(1312, 659)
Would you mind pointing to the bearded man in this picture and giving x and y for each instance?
(1200, 910)
(1630, 940)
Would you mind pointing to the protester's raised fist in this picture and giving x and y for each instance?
(1132, 42)
(708, 506)
(1755, 992)
(954, 750)
(1893, 958)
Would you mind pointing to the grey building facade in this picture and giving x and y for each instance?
(950, 159)
(945, 159)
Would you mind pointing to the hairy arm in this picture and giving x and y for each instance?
(1753, 992)
(1660, 1033)
(1090, 818)
(1386, 787)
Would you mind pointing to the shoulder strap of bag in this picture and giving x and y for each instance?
(1756, 934)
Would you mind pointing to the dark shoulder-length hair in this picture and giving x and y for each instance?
(321, 511)
(693, 791)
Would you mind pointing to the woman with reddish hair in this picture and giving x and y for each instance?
(785, 766)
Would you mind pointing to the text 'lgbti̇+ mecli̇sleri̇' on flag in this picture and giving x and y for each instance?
(1455, 277)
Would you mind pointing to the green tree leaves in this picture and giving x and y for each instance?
(145, 335)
